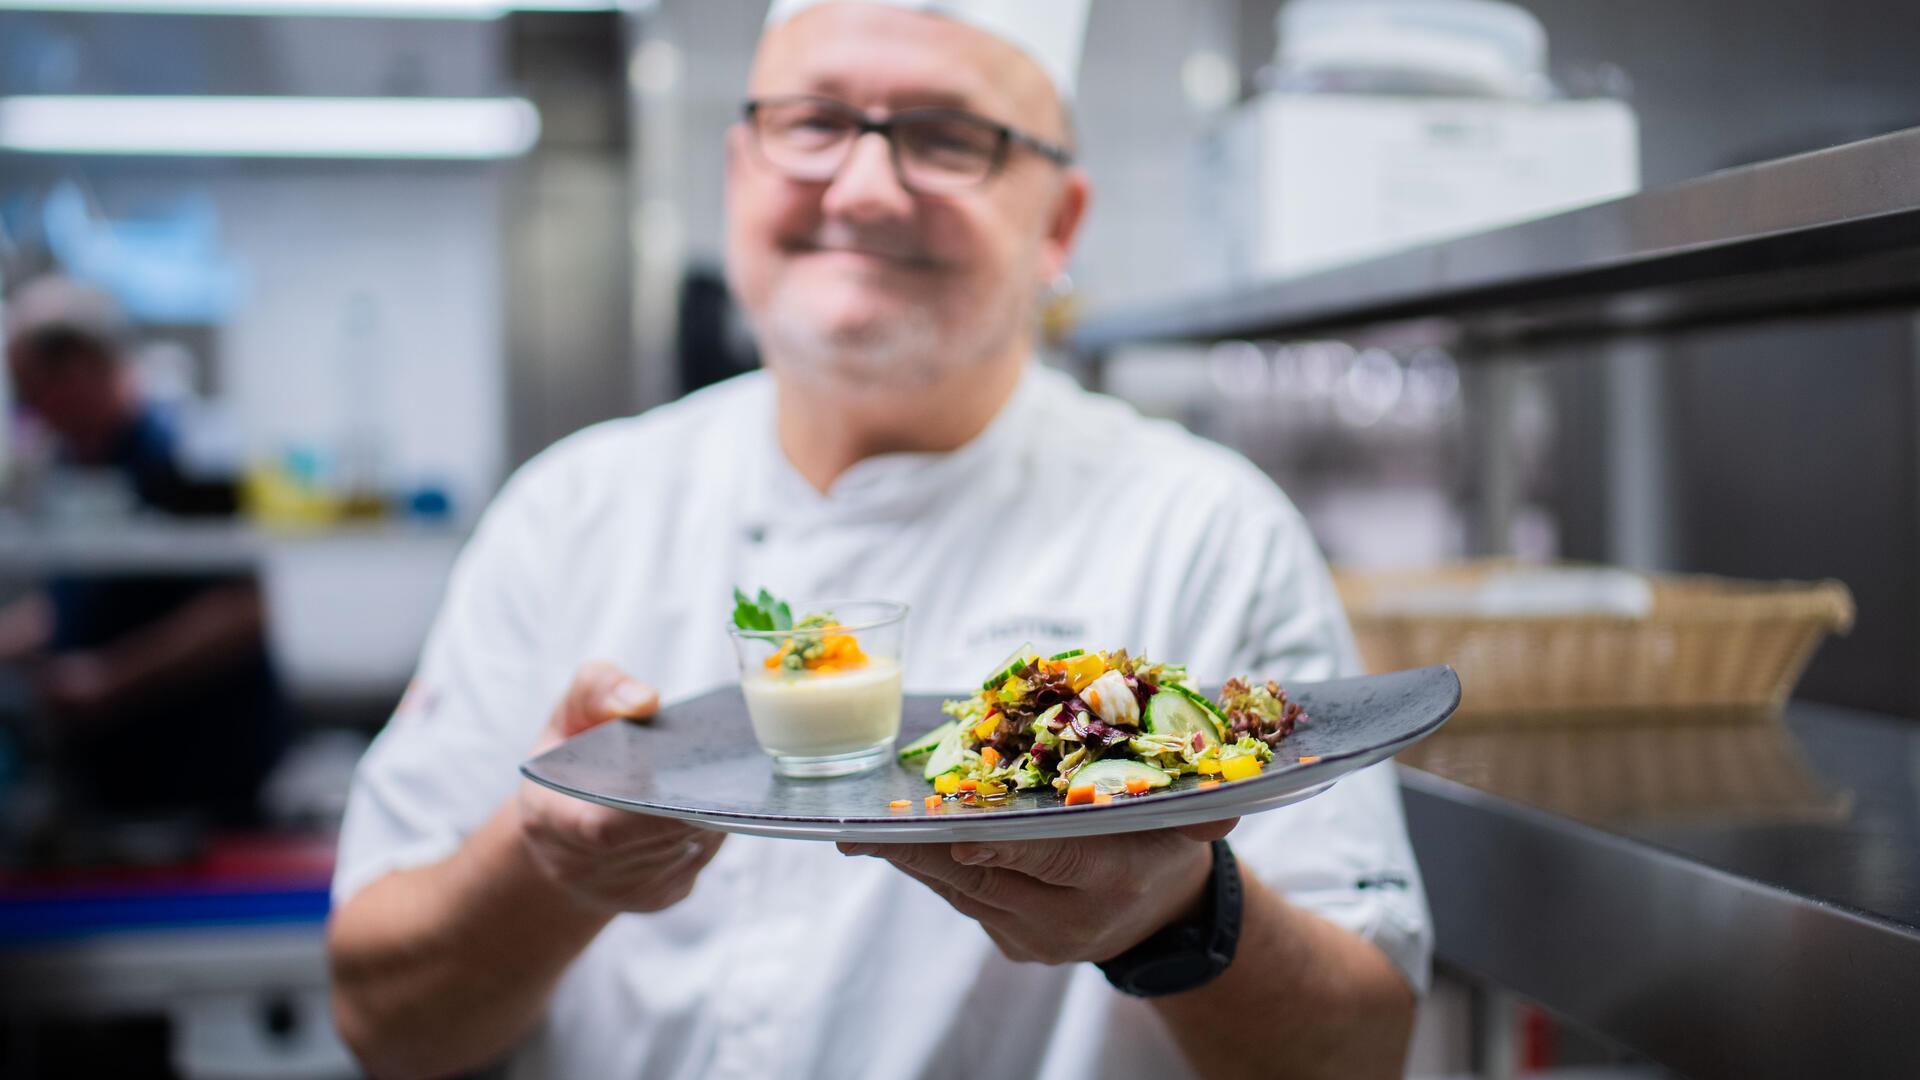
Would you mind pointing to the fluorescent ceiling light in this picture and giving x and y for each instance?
(284, 127)
(406, 9)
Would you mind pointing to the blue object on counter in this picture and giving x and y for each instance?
(428, 503)
(58, 915)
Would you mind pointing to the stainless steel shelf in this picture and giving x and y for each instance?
(1733, 947)
(1833, 230)
(169, 547)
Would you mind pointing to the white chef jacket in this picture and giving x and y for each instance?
(1071, 521)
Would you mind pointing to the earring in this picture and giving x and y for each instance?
(1058, 311)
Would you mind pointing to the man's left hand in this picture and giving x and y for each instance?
(1065, 901)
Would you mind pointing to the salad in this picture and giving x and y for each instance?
(1093, 725)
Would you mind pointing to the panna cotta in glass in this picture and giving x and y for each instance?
(824, 694)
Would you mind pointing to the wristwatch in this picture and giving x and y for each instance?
(1191, 953)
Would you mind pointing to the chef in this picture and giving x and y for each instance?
(900, 191)
(156, 690)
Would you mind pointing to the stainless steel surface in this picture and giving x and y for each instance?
(134, 547)
(1716, 947)
(569, 272)
(1499, 488)
(239, 1000)
(149, 970)
(657, 108)
(166, 547)
(1818, 232)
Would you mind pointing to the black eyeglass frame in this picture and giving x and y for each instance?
(864, 125)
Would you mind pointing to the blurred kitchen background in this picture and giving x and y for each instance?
(374, 254)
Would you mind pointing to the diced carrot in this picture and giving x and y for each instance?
(969, 785)
(1101, 798)
(989, 757)
(1080, 794)
(1093, 698)
(1137, 786)
(934, 801)
(1310, 759)
(1209, 783)
(899, 804)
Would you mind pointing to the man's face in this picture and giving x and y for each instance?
(858, 280)
(75, 389)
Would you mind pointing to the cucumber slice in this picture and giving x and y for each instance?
(1172, 712)
(1068, 655)
(1202, 700)
(925, 743)
(947, 754)
(1015, 660)
(1109, 776)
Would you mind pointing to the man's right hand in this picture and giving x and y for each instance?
(609, 860)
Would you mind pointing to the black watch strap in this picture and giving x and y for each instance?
(1188, 954)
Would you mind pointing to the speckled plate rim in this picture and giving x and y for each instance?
(1188, 805)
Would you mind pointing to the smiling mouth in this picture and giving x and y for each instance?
(911, 262)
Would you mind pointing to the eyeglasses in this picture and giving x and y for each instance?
(934, 150)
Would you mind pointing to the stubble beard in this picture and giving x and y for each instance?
(904, 352)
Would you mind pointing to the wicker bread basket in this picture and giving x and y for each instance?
(1706, 642)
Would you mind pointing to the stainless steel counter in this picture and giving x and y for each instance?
(169, 546)
(1755, 931)
(1822, 232)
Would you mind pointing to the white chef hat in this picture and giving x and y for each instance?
(1050, 31)
(58, 303)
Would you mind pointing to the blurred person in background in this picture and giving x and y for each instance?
(899, 193)
(154, 693)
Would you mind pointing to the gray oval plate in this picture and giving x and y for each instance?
(697, 761)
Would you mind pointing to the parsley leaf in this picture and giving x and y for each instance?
(761, 613)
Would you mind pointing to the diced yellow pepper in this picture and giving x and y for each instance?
(1240, 768)
(992, 787)
(1208, 766)
(1082, 670)
(947, 783)
(984, 728)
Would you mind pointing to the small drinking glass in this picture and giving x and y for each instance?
(825, 700)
